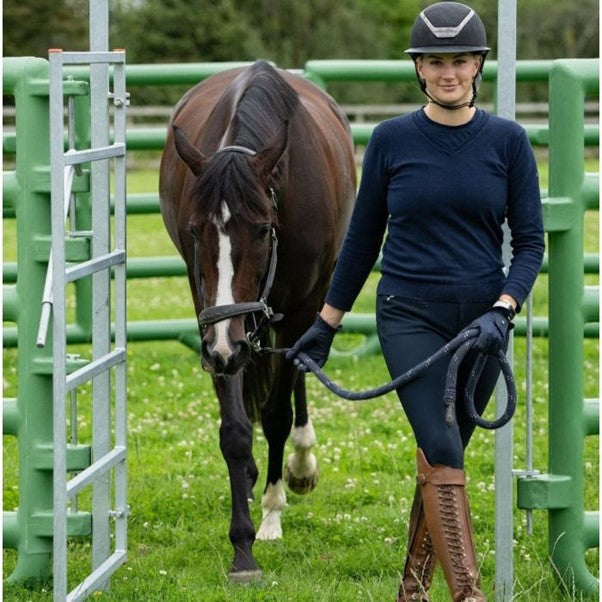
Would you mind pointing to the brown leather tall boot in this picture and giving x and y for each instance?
(449, 525)
(420, 559)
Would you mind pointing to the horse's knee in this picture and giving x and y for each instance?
(235, 440)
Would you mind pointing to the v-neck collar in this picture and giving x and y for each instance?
(450, 139)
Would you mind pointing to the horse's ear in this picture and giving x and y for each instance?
(191, 155)
(270, 154)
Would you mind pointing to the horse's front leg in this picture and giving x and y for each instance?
(276, 420)
(236, 442)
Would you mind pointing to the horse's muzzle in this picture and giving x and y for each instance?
(222, 361)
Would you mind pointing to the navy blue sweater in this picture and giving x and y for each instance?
(442, 193)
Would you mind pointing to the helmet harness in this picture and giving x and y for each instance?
(448, 27)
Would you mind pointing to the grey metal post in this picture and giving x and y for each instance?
(506, 100)
(120, 100)
(59, 348)
(102, 363)
(101, 281)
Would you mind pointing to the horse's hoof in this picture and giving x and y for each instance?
(300, 485)
(245, 577)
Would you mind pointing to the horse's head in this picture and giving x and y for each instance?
(227, 235)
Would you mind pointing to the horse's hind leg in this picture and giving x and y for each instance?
(301, 470)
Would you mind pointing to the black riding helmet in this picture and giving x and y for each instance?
(448, 27)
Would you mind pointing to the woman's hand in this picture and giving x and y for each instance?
(316, 343)
(493, 330)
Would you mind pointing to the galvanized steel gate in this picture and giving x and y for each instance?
(49, 188)
(108, 454)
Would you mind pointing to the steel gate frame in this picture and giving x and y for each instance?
(107, 460)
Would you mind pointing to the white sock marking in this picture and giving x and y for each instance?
(302, 463)
(272, 504)
(304, 436)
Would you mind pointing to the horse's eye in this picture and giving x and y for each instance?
(264, 230)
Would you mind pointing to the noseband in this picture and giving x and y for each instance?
(218, 313)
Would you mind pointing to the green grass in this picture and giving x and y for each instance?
(344, 541)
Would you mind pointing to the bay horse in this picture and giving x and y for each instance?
(257, 183)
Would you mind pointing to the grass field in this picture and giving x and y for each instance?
(344, 541)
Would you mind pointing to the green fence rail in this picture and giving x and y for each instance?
(322, 72)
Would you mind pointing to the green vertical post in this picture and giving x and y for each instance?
(569, 81)
(31, 417)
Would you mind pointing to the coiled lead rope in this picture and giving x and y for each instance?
(459, 347)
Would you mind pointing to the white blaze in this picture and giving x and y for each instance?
(225, 271)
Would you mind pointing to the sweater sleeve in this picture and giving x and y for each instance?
(366, 230)
(525, 220)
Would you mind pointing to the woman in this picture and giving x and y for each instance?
(440, 181)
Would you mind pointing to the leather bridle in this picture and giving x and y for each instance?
(218, 313)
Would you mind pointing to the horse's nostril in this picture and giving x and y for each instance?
(239, 347)
(219, 364)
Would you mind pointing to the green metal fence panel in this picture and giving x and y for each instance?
(571, 306)
(29, 416)
(153, 139)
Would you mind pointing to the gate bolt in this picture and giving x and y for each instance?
(120, 512)
(119, 102)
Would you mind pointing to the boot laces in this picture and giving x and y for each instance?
(455, 540)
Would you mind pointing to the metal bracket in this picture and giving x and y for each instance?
(120, 512)
(118, 101)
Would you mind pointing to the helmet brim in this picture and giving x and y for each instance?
(446, 49)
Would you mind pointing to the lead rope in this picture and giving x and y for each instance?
(459, 346)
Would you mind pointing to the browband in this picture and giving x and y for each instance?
(237, 149)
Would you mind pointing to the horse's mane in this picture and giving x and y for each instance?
(267, 101)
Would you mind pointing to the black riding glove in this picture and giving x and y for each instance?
(315, 343)
(493, 330)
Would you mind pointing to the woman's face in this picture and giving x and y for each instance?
(449, 77)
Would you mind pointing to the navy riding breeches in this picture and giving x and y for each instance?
(409, 332)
